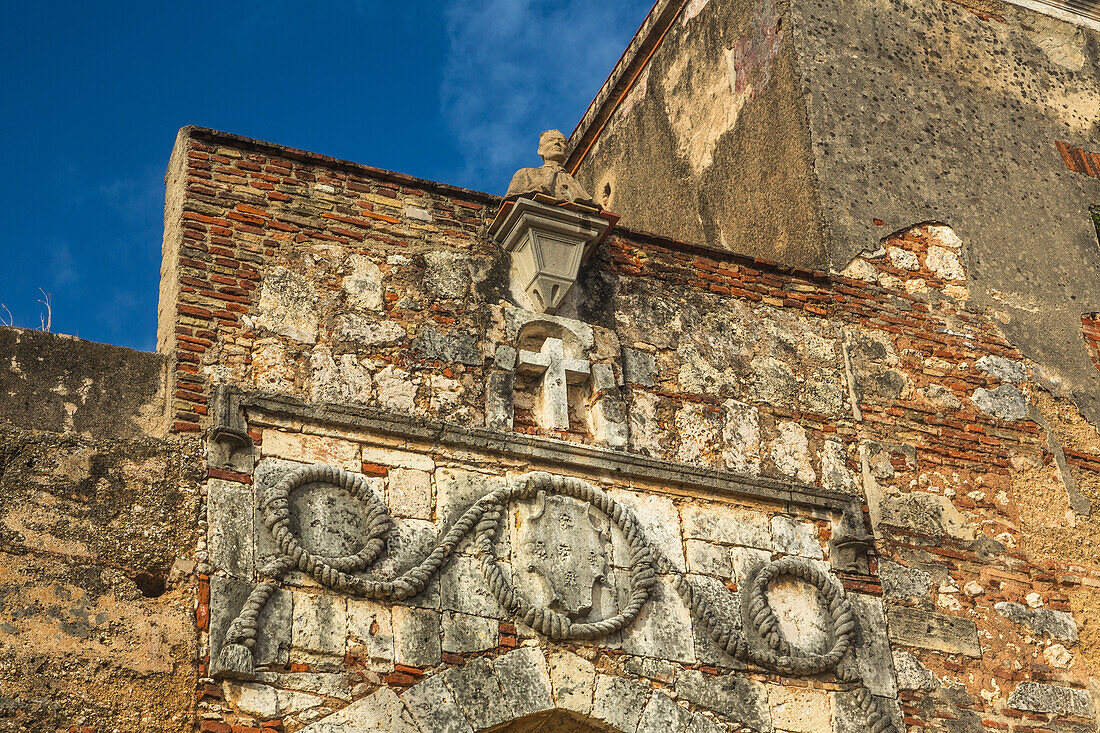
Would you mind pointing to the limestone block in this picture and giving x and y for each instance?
(619, 702)
(499, 390)
(463, 588)
(725, 524)
(929, 514)
(433, 707)
(1003, 369)
(702, 724)
(416, 637)
(339, 380)
(305, 448)
(654, 669)
(901, 582)
(935, 631)
(382, 710)
(848, 716)
(700, 429)
(1057, 624)
(872, 646)
(912, 675)
(660, 521)
(251, 698)
(792, 537)
(352, 327)
(408, 543)
(330, 684)
(1005, 402)
(800, 710)
(396, 389)
(741, 438)
(790, 451)
(370, 631)
(573, 679)
(272, 368)
(409, 493)
(227, 597)
(288, 305)
(746, 563)
(663, 715)
(774, 382)
(397, 458)
(464, 633)
(835, 471)
(453, 347)
(229, 516)
(731, 696)
(708, 559)
(456, 490)
(639, 368)
(902, 258)
(477, 691)
(525, 680)
(320, 624)
(944, 263)
(726, 606)
(663, 628)
(363, 285)
(446, 274)
(292, 702)
(1042, 698)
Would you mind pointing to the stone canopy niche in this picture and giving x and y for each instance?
(549, 226)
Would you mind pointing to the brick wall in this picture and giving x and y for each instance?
(329, 282)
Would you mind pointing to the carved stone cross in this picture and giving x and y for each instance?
(558, 372)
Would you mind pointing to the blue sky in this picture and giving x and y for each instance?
(93, 94)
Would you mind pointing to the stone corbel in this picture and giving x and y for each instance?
(850, 543)
(228, 433)
(547, 241)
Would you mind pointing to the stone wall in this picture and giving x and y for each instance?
(368, 327)
(97, 587)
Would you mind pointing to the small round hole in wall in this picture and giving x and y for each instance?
(151, 586)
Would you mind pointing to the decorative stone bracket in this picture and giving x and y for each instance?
(548, 242)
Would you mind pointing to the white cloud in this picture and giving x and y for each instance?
(517, 67)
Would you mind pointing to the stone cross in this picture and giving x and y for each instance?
(558, 372)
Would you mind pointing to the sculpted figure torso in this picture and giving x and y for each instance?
(551, 179)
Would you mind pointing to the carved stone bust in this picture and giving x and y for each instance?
(551, 179)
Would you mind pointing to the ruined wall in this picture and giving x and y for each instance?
(368, 326)
(97, 539)
(709, 145)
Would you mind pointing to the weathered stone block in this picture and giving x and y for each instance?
(619, 702)
(1005, 402)
(1041, 698)
(935, 631)
(288, 305)
(792, 537)
(456, 490)
(416, 637)
(525, 680)
(477, 691)
(229, 516)
(273, 628)
(708, 559)
(800, 710)
(731, 696)
(382, 710)
(463, 588)
(663, 715)
(741, 438)
(1057, 624)
(871, 652)
(663, 628)
(465, 633)
(320, 624)
(305, 448)
(433, 707)
(370, 631)
(573, 679)
(912, 675)
(901, 582)
(397, 458)
(726, 524)
(660, 522)
(726, 607)
(409, 493)
(639, 368)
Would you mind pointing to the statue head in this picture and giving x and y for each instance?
(552, 147)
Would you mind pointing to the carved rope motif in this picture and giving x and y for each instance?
(484, 517)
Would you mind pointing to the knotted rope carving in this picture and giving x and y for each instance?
(484, 518)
